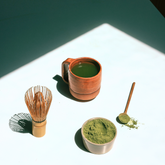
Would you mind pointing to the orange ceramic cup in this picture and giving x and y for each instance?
(82, 88)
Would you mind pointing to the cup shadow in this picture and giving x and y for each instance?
(63, 88)
(78, 140)
(21, 122)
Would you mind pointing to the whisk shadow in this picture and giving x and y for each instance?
(63, 88)
(78, 140)
(21, 122)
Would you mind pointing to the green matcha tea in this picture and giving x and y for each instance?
(85, 69)
(99, 131)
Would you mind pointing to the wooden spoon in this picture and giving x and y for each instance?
(123, 117)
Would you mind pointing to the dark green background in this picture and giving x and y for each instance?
(31, 28)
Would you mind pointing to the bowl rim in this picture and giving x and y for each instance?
(96, 143)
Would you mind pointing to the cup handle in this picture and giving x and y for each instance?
(65, 68)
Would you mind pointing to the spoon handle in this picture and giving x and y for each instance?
(129, 98)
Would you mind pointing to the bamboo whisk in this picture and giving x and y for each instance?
(38, 100)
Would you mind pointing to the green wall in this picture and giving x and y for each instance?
(31, 28)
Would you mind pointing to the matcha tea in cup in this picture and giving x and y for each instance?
(83, 76)
(98, 135)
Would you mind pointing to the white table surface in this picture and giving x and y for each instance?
(124, 60)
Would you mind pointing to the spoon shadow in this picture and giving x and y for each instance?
(117, 119)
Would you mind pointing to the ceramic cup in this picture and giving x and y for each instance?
(97, 148)
(82, 88)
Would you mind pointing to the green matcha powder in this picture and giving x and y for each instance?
(128, 122)
(132, 124)
(99, 131)
(124, 118)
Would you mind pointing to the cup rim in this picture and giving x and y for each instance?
(85, 78)
(96, 143)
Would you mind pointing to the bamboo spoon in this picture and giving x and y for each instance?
(123, 117)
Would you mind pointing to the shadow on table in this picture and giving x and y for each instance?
(63, 88)
(78, 140)
(21, 122)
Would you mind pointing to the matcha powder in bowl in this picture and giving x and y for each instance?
(98, 135)
(99, 131)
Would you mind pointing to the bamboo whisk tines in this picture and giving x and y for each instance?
(38, 100)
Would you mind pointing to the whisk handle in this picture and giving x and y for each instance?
(38, 129)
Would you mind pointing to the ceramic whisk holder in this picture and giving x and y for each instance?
(82, 88)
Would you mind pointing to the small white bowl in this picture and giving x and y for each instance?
(97, 148)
